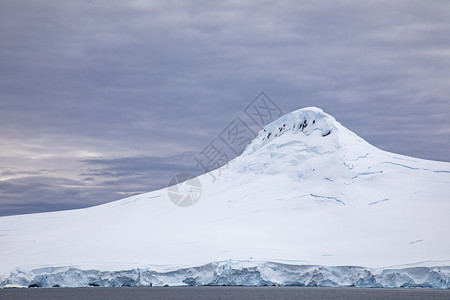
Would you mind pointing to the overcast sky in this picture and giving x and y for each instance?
(103, 99)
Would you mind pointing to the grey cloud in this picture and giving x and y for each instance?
(6, 173)
(38, 194)
(132, 165)
(130, 174)
(112, 180)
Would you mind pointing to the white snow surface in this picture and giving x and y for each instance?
(307, 194)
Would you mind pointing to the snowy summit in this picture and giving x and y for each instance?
(308, 203)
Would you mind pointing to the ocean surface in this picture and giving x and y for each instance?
(246, 293)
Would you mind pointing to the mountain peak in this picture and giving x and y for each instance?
(302, 123)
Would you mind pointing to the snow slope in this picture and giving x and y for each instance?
(306, 192)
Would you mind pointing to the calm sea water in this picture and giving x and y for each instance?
(246, 293)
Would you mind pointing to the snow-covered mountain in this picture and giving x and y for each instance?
(307, 199)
